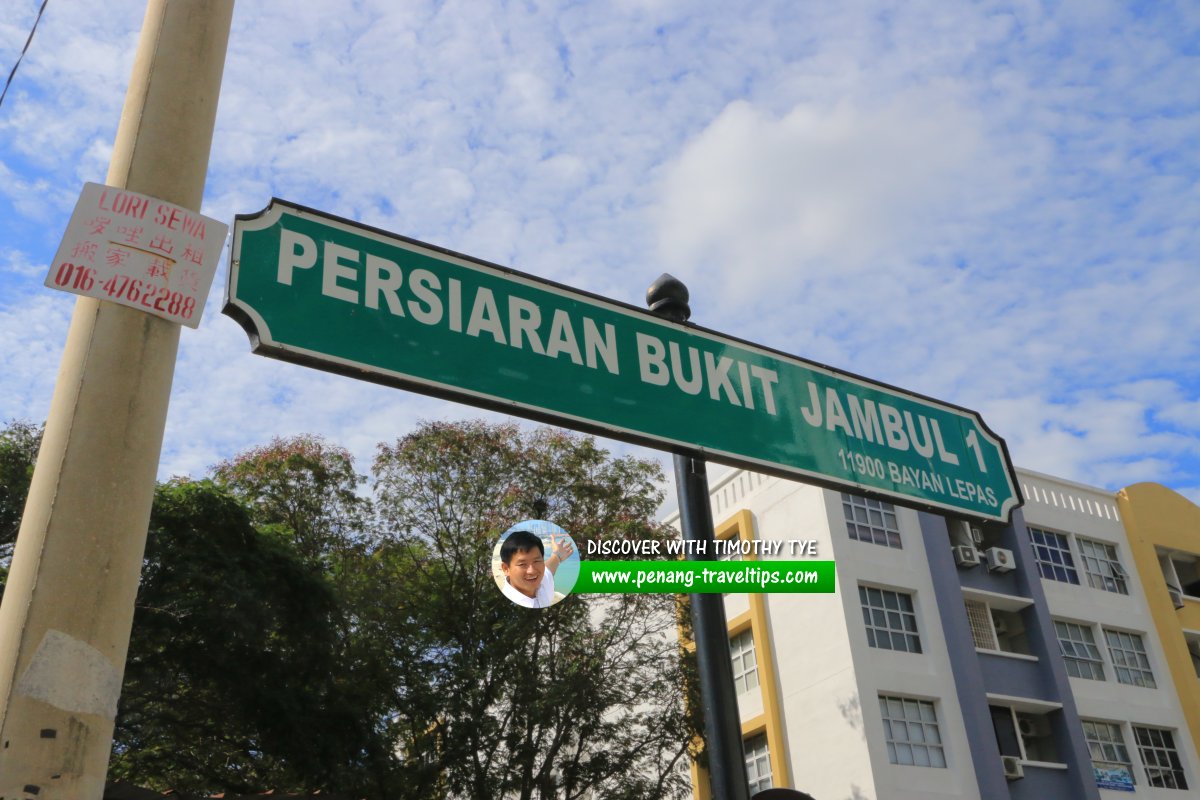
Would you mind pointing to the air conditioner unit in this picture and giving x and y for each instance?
(965, 555)
(999, 559)
(1000, 624)
(1032, 726)
(1176, 596)
(1012, 767)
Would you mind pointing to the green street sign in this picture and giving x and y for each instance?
(342, 297)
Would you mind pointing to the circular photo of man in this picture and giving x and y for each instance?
(535, 563)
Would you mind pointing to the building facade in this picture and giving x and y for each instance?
(1164, 539)
(959, 660)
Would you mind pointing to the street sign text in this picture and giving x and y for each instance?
(329, 293)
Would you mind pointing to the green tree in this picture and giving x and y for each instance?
(19, 443)
(304, 491)
(305, 488)
(500, 701)
(286, 637)
(233, 680)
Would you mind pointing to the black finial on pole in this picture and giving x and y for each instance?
(668, 298)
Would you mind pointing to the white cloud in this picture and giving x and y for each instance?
(995, 206)
(33, 330)
(754, 200)
(19, 264)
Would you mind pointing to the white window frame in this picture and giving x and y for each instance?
(1150, 753)
(744, 655)
(725, 555)
(1142, 669)
(983, 628)
(873, 517)
(1170, 561)
(757, 754)
(1109, 571)
(918, 721)
(1186, 559)
(1016, 710)
(1192, 638)
(1096, 559)
(981, 607)
(1069, 568)
(1077, 644)
(878, 631)
(1109, 746)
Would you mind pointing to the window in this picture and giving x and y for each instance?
(758, 762)
(981, 625)
(1193, 646)
(1110, 758)
(1052, 551)
(745, 666)
(730, 555)
(1005, 726)
(1161, 760)
(1103, 569)
(890, 620)
(1023, 734)
(1079, 650)
(729, 547)
(1037, 737)
(1181, 571)
(911, 731)
(996, 629)
(1187, 573)
(1129, 660)
(871, 520)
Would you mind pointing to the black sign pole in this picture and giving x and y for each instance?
(668, 298)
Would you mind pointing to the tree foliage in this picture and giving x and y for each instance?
(292, 633)
(19, 443)
(233, 679)
(304, 492)
(583, 697)
(305, 488)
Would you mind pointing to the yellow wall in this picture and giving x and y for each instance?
(741, 524)
(1157, 516)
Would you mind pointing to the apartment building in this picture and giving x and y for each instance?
(959, 660)
(1164, 539)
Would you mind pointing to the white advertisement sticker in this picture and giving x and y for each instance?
(138, 251)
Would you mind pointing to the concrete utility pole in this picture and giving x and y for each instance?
(68, 606)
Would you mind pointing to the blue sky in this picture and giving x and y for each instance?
(992, 203)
